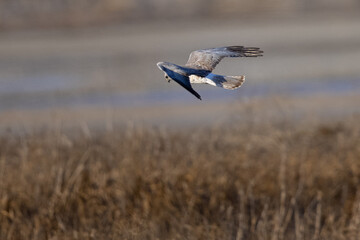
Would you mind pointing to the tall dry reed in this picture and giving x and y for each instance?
(270, 181)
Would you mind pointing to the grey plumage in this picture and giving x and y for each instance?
(207, 59)
(200, 64)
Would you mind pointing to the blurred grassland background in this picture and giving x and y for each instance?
(95, 144)
(45, 13)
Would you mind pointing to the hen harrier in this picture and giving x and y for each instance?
(200, 65)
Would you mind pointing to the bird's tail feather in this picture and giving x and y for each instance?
(227, 82)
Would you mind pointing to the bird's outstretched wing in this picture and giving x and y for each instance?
(207, 59)
(185, 83)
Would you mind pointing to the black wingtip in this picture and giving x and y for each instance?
(197, 95)
(253, 52)
(247, 51)
(194, 93)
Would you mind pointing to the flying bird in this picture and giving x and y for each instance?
(200, 65)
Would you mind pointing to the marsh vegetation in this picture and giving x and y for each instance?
(246, 180)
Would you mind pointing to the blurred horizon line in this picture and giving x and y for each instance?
(22, 14)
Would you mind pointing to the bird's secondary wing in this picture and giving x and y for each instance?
(207, 59)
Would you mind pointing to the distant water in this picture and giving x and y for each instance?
(41, 83)
(30, 94)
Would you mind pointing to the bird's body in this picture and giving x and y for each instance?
(227, 82)
(200, 65)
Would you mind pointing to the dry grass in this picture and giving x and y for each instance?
(269, 181)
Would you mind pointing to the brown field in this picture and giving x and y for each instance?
(248, 180)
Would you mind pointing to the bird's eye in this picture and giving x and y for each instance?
(166, 77)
